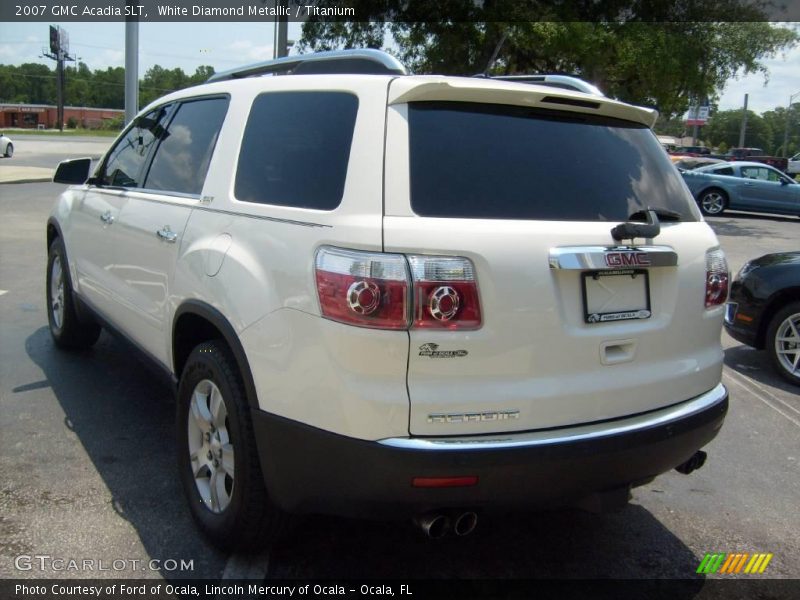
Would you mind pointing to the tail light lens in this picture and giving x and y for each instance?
(369, 289)
(717, 278)
(445, 293)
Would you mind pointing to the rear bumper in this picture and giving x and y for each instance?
(308, 470)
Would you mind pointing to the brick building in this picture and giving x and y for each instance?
(33, 116)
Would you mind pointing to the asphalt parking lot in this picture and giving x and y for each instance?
(87, 461)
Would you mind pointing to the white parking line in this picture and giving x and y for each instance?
(774, 397)
(3, 292)
(743, 383)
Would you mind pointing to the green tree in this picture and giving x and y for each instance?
(777, 120)
(661, 53)
(79, 81)
(724, 127)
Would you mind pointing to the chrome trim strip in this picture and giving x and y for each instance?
(581, 433)
(262, 217)
(594, 257)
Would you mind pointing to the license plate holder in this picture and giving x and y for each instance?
(615, 295)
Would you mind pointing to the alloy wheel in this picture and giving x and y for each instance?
(211, 452)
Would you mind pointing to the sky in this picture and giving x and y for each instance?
(227, 45)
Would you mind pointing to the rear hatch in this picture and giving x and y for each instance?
(575, 326)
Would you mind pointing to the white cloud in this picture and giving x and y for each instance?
(782, 81)
(247, 50)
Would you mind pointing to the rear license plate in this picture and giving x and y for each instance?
(615, 295)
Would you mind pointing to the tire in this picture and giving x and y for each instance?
(783, 342)
(713, 202)
(9, 150)
(217, 457)
(66, 328)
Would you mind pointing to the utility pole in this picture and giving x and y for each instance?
(59, 52)
(744, 123)
(789, 112)
(131, 67)
(281, 31)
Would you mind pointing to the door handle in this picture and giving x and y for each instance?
(107, 217)
(166, 234)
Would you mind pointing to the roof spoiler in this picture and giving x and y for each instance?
(364, 61)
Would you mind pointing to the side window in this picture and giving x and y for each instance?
(724, 171)
(123, 167)
(751, 173)
(182, 158)
(296, 148)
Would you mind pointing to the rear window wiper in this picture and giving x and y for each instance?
(663, 214)
(651, 227)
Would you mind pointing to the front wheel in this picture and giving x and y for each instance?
(713, 202)
(783, 342)
(66, 327)
(9, 150)
(217, 456)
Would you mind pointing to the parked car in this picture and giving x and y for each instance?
(793, 167)
(6, 146)
(693, 150)
(695, 162)
(389, 295)
(743, 185)
(757, 155)
(764, 310)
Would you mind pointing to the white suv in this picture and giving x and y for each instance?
(392, 295)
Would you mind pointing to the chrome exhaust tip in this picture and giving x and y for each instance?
(434, 525)
(697, 460)
(465, 523)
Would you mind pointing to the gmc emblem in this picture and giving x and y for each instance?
(627, 259)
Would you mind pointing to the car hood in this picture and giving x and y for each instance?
(779, 258)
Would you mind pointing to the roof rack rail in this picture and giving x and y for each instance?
(361, 61)
(566, 82)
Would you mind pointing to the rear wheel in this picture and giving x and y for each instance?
(713, 202)
(9, 150)
(217, 457)
(783, 342)
(66, 327)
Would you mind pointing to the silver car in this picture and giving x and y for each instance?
(6, 147)
(743, 185)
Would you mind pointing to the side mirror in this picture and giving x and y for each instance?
(73, 172)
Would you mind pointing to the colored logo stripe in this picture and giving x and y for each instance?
(721, 562)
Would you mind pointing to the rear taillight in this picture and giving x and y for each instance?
(445, 293)
(717, 278)
(363, 288)
(373, 289)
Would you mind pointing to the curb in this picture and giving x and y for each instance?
(28, 180)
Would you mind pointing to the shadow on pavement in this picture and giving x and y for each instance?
(123, 415)
(755, 364)
(744, 224)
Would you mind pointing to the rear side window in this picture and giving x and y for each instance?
(296, 149)
(506, 162)
(723, 171)
(183, 156)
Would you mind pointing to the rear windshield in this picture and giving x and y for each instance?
(506, 162)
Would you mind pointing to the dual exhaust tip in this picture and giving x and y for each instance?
(438, 525)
